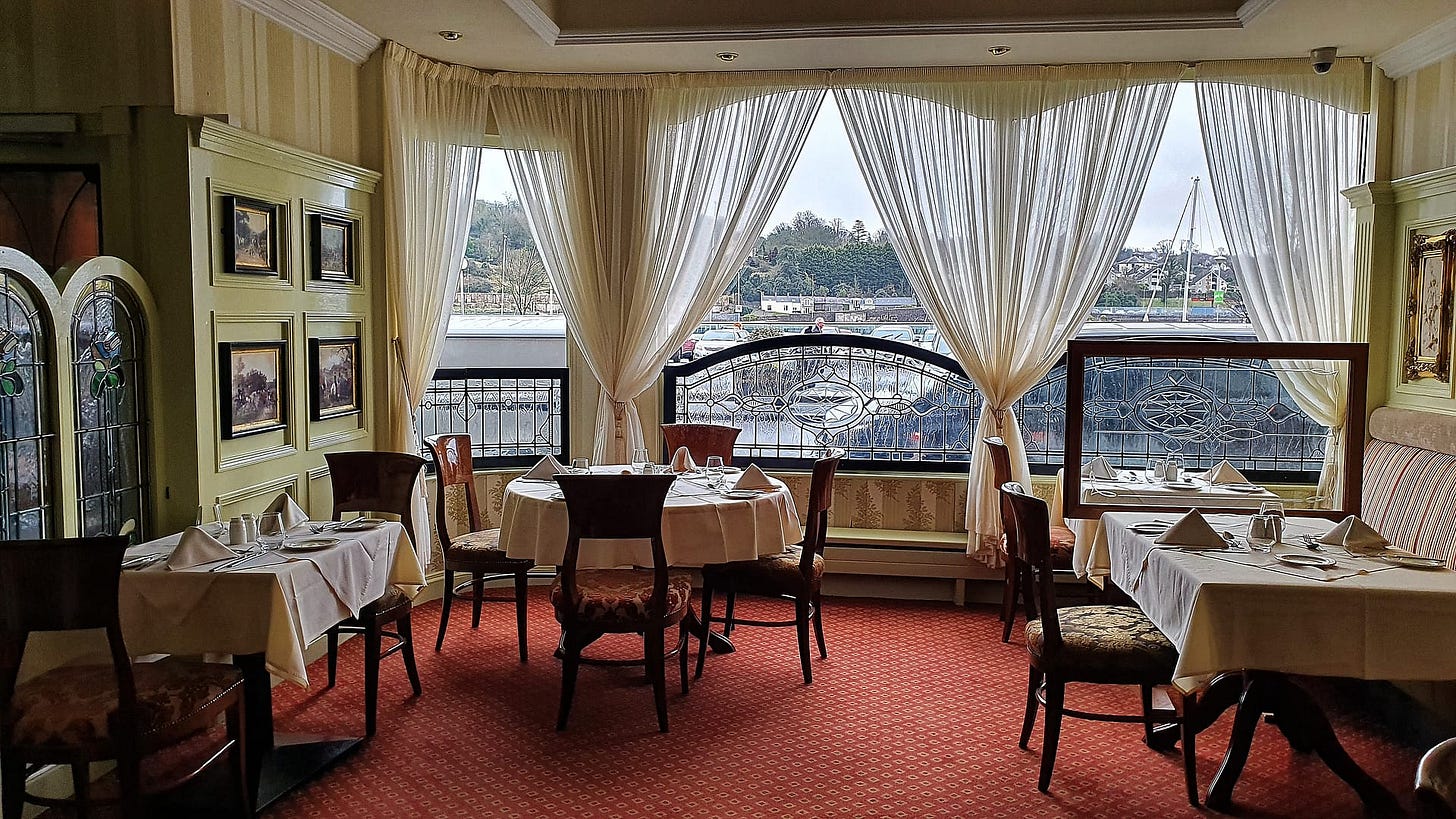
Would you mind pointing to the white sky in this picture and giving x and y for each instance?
(827, 180)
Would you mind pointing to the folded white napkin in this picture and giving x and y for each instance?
(1223, 472)
(293, 514)
(1356, 536)
(753, 478)
(545, 469)
(196, 548)
(1099, 467)
(1192, 531)
(682, 460)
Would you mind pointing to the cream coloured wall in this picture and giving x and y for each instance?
(1425, 119)
(234, 62)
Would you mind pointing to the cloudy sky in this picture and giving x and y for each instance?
(827, 179)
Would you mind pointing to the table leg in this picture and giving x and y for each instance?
(258, 700)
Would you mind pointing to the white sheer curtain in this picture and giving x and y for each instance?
(1007, 193)
(645, 195)
(434, 116)
(1282, 142)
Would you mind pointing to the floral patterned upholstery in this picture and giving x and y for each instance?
(71, 706)
(768, 575)
(1063, 541)
(619, 596)
(482, 549)
(390, 603)
(1105, 644)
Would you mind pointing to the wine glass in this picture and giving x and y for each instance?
(581, 466)
(271, 534)
(640, 459)
(714, 467)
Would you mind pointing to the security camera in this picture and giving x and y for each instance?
(1323, 59)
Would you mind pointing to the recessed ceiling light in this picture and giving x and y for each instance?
(727, 56)
(451, 35)
(997, 51)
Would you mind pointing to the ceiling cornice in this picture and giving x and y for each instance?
(315, 21)
(1432, 45)
(535, 17)
(1253, 8)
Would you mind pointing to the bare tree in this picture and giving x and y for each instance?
(522, 278)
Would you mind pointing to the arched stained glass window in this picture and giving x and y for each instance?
(109, 339)
(25, 428)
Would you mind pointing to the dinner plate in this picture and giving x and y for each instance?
(361, 525)
(1309, 561)
(1241, 487)
(1154, 527)
(309, 544)
(1180, 484)
(1414, 561)
(742, 494)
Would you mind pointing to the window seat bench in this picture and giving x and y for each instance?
(904, 553)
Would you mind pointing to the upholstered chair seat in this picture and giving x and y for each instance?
(769, 575)
(1063, 543)
(620, 597)
(1116, 645)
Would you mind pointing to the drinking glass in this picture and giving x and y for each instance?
(1272, 508)
(581, 466)
(270, 531)
(1264, 532)
(714, 467)
(640, 460)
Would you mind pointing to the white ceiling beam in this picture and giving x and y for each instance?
(313, 20)
(1430, 46)
(537, 18)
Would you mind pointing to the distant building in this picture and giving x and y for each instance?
(786, 304)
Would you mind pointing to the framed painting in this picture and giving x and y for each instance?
(331, 246)
(250, 236)
(254, 387)
(334, 377)
(1428, 307)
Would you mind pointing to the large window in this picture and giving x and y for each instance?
(25, 430)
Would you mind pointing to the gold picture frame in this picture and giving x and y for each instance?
(1428, 307)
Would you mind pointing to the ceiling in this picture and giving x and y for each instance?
(607, 36)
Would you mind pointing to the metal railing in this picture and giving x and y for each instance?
(514, 416)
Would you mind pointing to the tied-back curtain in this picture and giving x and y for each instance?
(1007, 193)
(1282, 142)
(434, 119)
(645, 195)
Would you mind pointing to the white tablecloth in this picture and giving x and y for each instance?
(1392, 624)
(699, 526)
(277, 608)
(1089, 556)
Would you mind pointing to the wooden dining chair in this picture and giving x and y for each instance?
(1109, 645)
(592, 602)
(1018, 577)
(701, 440)
(1436, 782)
(79, 714)
(477, 552)
(376, 482)
(794, 574)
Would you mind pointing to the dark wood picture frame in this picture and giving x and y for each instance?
(233, 381)
(332, 402)
(332, 249)
(1428, 317)
(247, 248)
(1356, 357)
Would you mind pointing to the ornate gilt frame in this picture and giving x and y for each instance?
(1426, 251)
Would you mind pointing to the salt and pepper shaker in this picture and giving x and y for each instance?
(237, 532)
(250, 528)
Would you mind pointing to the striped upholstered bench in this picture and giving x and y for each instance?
(1409, 490)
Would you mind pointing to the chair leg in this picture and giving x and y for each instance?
(81, 785)
(406, 634)
(1055, 690)
(445, 607)
(682, 653)
(521, 589)
(728, 612)
(1148, 726)
(333, 655)
(1008, 599)
(653, 650)
(801, 624)
(1033, 684)
(477, 588)
(818, 602)
(570, 662)
(12, 787)
(707, 627)
(371, 672)
(237, 734)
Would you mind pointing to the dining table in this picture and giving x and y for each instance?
(263, 608)
(1243, 621)
(704, 521)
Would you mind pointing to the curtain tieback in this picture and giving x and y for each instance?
(999, 414)
(619, 412)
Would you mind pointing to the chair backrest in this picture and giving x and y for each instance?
(616, 507)
(701, 440)
(1001, 474)
(1436, 782)
(454, 466)
(374, 482)
(1033, 547)
(62, 585)
(821, 500)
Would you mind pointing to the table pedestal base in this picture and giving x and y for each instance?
(1298, 717)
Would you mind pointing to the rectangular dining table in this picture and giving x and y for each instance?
(1248, 621)
(264, 612)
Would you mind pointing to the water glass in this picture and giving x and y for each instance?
(714, 467)
(1264, 531)
(581, 466)
(270, 530)
(1272, 508)
(640, 459)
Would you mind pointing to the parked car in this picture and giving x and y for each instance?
(716, 340)
(894, 332)
(934, 341)
(685, 352)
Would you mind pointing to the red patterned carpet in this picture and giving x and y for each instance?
(915, 713)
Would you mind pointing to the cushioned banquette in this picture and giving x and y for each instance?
(1409, 492)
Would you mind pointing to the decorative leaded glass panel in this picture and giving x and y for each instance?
(108, 341)
(25, 434)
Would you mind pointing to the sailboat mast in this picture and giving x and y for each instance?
(1188, 261)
